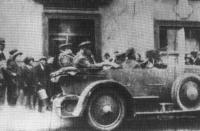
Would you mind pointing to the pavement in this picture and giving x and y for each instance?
(19, 118)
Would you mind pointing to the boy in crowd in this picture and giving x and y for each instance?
(28, 82)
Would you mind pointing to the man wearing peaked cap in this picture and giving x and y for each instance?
(85, 58)
(65, 57)
(64, 46)
(85, 44)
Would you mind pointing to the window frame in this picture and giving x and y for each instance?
(167, 23)
(72, 15)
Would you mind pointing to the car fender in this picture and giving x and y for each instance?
(86, 93)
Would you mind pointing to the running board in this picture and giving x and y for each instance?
(174, 113)
(146, 97)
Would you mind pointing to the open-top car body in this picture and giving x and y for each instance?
(107, 97)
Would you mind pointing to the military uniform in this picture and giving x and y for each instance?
(65, 58)
(81, 60)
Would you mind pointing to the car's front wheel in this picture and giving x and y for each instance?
(106, 110)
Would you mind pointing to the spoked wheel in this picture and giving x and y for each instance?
(187, 93)
(106, 110)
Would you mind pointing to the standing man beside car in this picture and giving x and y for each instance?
(2, 71)
(13, 76)
(28, 82)
(40, 77)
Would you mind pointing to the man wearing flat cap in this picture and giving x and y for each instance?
(2, 70)
(13, 76)
(85, 58)
(28, 82)
(40, 78)
(65, 57)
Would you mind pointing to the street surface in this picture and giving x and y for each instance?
(22, 119)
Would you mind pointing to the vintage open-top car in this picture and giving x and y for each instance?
(107, 97)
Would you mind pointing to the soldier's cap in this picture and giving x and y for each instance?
(28, 59)
(66, 45)
(2, 41)
(43, 58)
(85, 44)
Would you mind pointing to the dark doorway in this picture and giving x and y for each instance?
(70, 31)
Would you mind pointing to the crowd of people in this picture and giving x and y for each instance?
(30, 80)
(131, 59)
(21, 82)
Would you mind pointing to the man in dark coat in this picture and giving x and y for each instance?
(2, 70)
(2, 47)
(41, 77)
(13, 77)
(194, 59)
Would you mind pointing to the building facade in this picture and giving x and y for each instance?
(37, 27)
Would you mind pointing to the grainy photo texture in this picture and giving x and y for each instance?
(99, 65)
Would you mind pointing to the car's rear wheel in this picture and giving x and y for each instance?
(186, 93)
(106, 110)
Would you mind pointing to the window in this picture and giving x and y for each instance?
(69, 31)
(168, 38)
(177, 39)
(70, 27)
(167, 34)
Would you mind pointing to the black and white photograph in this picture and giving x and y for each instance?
(99, 65)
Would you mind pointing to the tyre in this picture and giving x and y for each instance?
(186, 92)
(106, 110)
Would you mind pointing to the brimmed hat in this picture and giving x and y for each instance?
(66, 45)
(85, 44)
(43, 58)
(28, 59)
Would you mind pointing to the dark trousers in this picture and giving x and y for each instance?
(12, 93)
(2, 93)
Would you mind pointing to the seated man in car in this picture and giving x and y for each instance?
(153, 60)
(130, 61)
(65, 57)
(65, 60)
(85, 58)
(194, 59)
